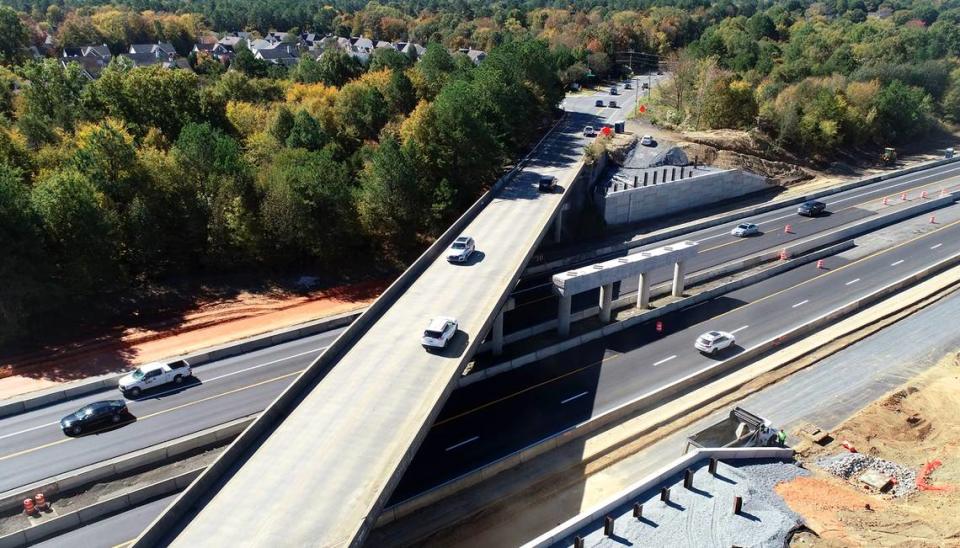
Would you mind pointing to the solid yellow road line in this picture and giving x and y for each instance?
(145, 417)
(828, 273)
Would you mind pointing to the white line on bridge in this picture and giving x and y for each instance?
(801, 303)
(853, 281)
(935, 246)
(571, 398)
(665, 360)
(896, 263)
(464, 442)
(739, 329)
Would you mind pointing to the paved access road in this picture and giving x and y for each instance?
(111, 531)
(536, 302)
(33, 448)
(489, 420)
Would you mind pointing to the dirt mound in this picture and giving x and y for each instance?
(734, 154)
(911, 426)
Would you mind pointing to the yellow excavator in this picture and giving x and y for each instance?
(889, 157)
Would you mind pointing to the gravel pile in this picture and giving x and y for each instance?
(850, 465)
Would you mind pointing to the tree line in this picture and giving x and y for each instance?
(110, 186)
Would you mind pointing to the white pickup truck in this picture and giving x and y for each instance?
(152, 375)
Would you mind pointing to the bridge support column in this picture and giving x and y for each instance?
(643, 291)
(498, 334)
(679, 272)
(606, 302)
(558, 226)
(563, 315)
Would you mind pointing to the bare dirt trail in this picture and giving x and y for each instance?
(208, 324)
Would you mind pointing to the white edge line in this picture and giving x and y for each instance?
(464, 442)
(571, 398)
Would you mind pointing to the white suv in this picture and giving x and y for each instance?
(714, 341)
(461, 250)
(439, 332)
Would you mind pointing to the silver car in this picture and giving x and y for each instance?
(745, 229)
(461, 250)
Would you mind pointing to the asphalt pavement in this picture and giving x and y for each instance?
(110, 531)
(33, 447)
(487, 421)
(536, 302)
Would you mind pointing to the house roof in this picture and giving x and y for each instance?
(92, 66)
(279, 53)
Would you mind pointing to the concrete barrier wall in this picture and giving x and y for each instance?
(161, 527)
(109, 382)
(653, 314)
(567, 529)
(647, 202)
(97, 511)
(123, 465)
(657, 397)
(628, 298)
(726, 218)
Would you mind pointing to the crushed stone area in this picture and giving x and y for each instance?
(897, 435)
(703, 516)
(852, 465)
(59, 506)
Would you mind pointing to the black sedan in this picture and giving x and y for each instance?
(95, 415)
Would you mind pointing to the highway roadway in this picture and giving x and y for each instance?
(536, 302)
(111, 531)
(33, 448)
(489, 420)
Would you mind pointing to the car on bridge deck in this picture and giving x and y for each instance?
(95, 415)
(712, 342)
(461, 249)
(439, 332)
(743, 230)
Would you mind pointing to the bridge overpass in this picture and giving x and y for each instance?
(319, 464)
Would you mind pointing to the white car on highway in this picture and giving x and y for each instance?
(589, 131)
(461, 249)
(152, 375)
(745, 229)
(439, 332)
(714, 341)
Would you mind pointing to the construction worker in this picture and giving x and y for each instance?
(782, 438)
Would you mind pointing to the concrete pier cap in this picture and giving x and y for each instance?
(597, 275)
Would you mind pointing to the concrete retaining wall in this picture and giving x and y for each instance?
(123, 465)
(261, 427)
(723, 218)
(568, 528)
(109, 382)
(642, 203)
(97, 511)
(628, 287)
(656, 397)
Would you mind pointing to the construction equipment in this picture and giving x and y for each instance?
(740, 429)
(889, 157)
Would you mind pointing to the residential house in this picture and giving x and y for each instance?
(161, 53)
(92, 59)
(475, 55)
(260, 44)
(281, 54)
(275, 37)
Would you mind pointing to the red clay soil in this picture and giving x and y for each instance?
(209, 324)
